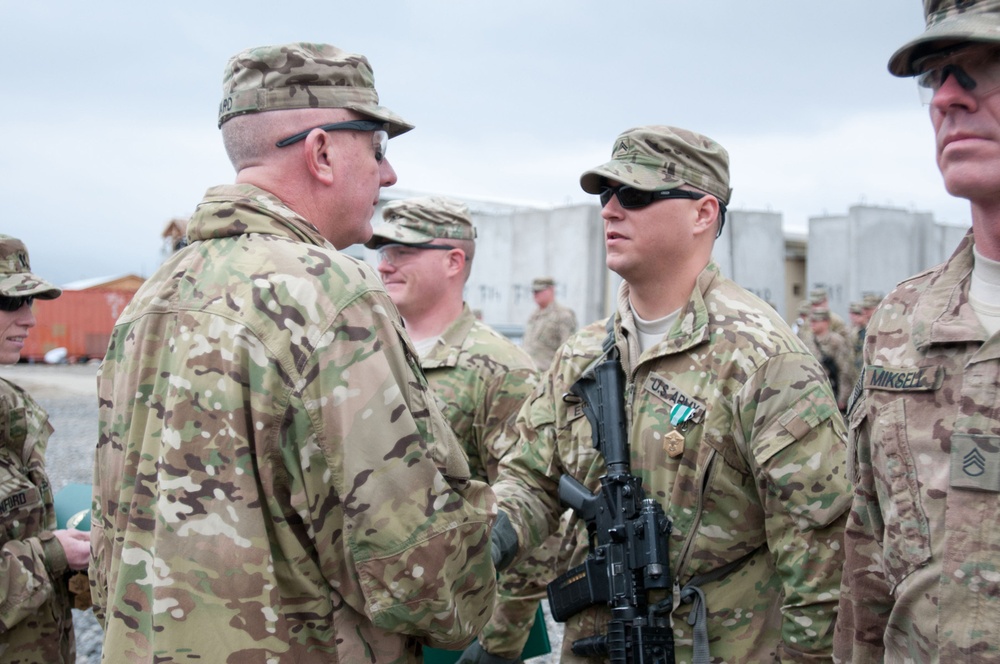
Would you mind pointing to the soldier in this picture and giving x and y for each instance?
(549, 325)
(36, 624)
(818, 300)
(732, 424)
(426, 249)
(856, 334)
(833, 353)
(273, 481)
(922, 574)
(801, 325)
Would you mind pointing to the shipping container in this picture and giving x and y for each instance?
(80, 321)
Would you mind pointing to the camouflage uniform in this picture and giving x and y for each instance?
(272, 480)
(831, 349)
(922, 576)
(756, 473)
(36, 624)
(546, 330)
(482, 379)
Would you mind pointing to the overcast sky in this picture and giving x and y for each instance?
(108, 116)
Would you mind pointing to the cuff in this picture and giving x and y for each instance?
(55, 556)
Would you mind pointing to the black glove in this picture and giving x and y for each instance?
(503, 542)
(475, 654)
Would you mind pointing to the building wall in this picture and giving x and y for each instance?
(751, 252)
(871, 249)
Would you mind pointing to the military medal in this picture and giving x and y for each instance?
(673, 443)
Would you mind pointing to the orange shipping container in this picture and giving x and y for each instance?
(80, 321)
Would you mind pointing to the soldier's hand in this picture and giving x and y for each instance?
(76, 545)
(475, 654)
(503, 542)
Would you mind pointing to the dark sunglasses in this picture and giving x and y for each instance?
(631, 198)
(380, 139)
(15, 303)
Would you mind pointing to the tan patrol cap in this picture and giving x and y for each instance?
(290, 76)
(658, 157)
(541, 283)
(16, 279)
(819, 313)
(422, 220)
(949, 23)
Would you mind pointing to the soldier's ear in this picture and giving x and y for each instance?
(318, 154)
(708, 214)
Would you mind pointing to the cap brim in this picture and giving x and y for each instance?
(949, 32)
(394, 234)
(25, 284)
(396, 124)
(625, 172)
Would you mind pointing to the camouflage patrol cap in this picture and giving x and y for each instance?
(804, 308)
(420, 220)
(949, 23)
(817, 295)
(290, 76)
(856, 308)
(870, 300)
(819, 313)
(541, 283)
(658, 157)
(16, 279)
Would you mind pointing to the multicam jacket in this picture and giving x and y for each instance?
(546, 330)
(36, 624)
(835, 355)
(482, 380)
(273, 482)
(922, 575)
(751, 466)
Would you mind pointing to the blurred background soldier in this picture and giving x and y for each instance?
(36, 623)
(549, 325)
(273, 480)
(818, 300)
(801, 325)
(856, 336)
(732, 425)
(426, 249)
(922, 575)
(833, 353)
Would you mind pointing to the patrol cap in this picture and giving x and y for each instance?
(290, 76)
(949, 23)
(804, 307)
(541, 283)
(856, 308)
(420, 220)
(817, 295)
(657, 157)
(819, 313)
(16, 279)
(871, 300)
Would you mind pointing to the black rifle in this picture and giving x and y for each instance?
(628, 538)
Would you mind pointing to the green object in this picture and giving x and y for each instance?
(537, 644)
(73, 506)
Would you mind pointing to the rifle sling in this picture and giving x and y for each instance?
(698, 618)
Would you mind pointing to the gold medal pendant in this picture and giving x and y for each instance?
(673, 443)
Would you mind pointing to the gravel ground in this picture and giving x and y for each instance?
(69, 394)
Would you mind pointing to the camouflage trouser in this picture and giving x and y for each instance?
(522, 587)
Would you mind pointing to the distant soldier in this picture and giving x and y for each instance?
(818, 300)
(273, 480)
(801, 326)
(549, 325)
(922, 569)
(833, 353)
(426, 248)
(856, 334)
